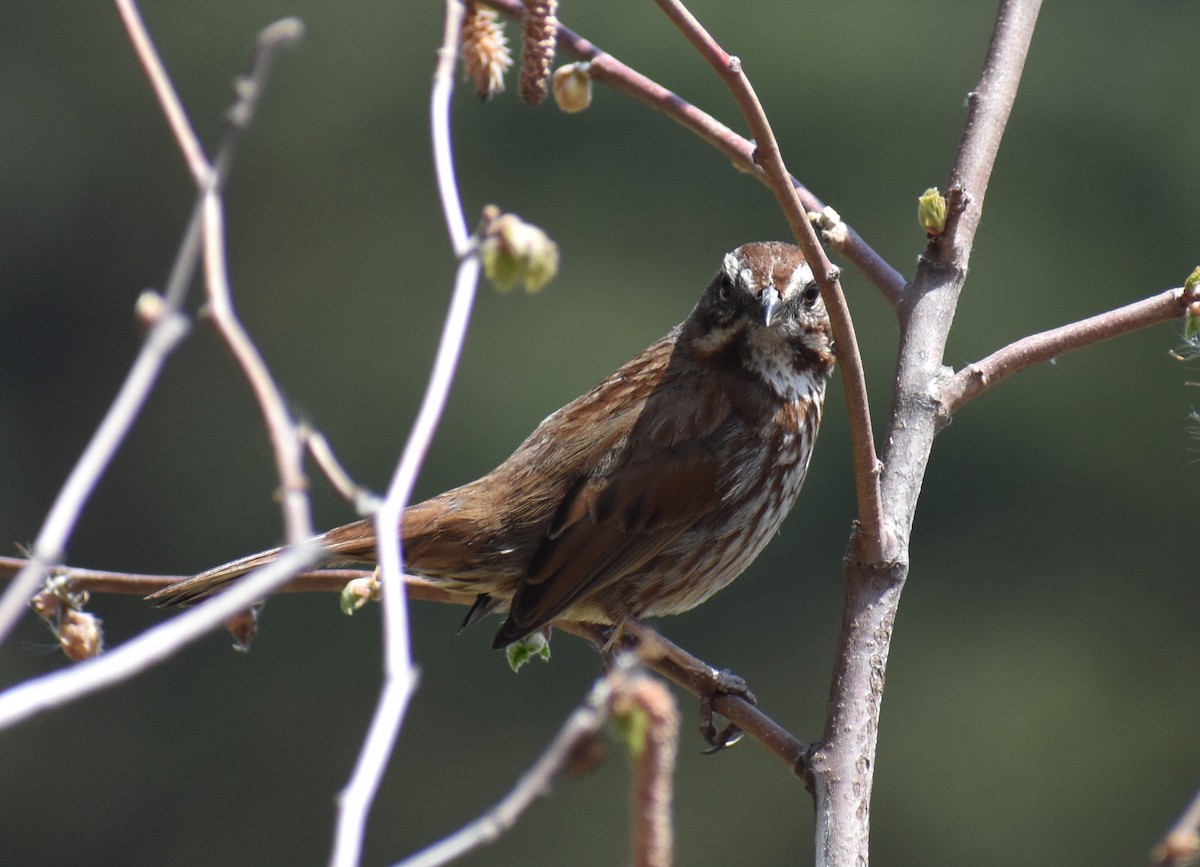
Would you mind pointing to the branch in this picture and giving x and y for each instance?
(842, 765)
(1181, 846)
(286, 444)
(168, 99)
(81, 580)
(152, 646)
(867, 541)
(703, 681)
(607, 69)
(168, 327)
(988, 110)
(284, 434)
(618, 687)
(974, 379)
(652, 730)
(400, 677)
(658, 654)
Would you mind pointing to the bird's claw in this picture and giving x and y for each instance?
(724, 683)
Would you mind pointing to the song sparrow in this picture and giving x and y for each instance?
(646, 495)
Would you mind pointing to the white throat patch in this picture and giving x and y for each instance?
(764, 359)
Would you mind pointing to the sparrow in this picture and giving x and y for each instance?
(644, 496)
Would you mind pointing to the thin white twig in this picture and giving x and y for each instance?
(47, 549)
(586, 720)
(152, 646)
(439, 110)
(400, 678)
(1181, 845)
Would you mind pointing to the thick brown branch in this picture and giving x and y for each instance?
(607, 69)
(843, 763)
(976, 378)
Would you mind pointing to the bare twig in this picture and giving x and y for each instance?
(316, 581)
(658, 653)
(286, 445)
(97, 580)
(978, 377)
(400, 675)
(168, 329)
(580, 728)
(702, 680)
(168, 99)
(322, 454)
(607, 69)
(867, 541)
(443, 151)
(156, 644)
(1181, 846)
(152, 646)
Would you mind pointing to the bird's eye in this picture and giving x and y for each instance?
(811, 294)
(724, 288)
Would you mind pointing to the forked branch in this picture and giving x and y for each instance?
(168, 323)
(842, 765)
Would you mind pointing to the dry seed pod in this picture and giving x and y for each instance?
(539, 30)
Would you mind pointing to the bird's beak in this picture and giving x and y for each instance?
(770, 304)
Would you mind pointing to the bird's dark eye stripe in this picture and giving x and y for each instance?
(811, 293)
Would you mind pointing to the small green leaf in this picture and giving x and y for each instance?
(528, 648)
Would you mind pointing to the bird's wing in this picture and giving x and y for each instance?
(658, 477)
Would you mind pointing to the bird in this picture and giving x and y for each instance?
(646, 495)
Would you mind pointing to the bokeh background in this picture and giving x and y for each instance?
(1043, 691)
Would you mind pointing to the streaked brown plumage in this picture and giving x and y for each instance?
(646, 495)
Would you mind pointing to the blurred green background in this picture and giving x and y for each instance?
(1042, 695)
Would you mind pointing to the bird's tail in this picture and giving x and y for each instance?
(211, 581)
(353, 542)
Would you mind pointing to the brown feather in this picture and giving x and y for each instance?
(645, 495)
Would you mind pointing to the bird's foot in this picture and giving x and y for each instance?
(723, 683)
